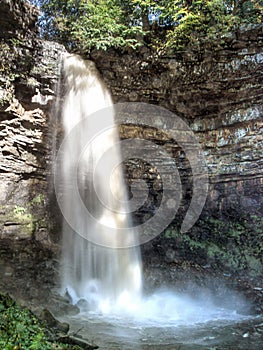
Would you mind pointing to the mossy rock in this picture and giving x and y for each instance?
(231, 246)
(21, 329)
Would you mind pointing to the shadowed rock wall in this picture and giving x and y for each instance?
(217, 90)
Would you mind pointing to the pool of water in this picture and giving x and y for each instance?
(214, 335)
(166, 320)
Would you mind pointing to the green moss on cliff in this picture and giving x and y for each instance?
(234, 247)
(25, 218)
(24, 221)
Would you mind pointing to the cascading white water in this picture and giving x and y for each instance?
(105, 274)
(91, 193)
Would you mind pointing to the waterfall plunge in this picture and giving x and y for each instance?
(104, 275)
(108, 280)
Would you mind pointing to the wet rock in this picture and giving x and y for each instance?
(83, 305)
(62, 306)
(73, 340)
(53, 323)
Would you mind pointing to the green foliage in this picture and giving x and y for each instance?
(84, 25)
(101, 22)
(167, 24)
(231, 246)
(208, 19)
(21, 330)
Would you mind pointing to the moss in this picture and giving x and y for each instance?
(38, 199)
(254, 265)
(232, 246)
(25, 218)
(19, 217)
(171, 233)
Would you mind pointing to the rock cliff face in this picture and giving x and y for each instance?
(216, 90)
(28, 74)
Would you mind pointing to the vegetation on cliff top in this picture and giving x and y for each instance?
(164, 25)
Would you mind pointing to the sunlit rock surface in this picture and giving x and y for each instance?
(29, 71)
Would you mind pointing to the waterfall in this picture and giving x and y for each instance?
(95, 267)
(100, 264)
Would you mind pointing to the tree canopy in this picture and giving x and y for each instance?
(166, 24)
